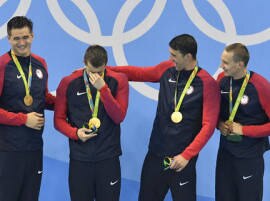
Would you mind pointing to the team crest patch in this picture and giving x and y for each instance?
(244, 100)
(39, 73)
(190, 90)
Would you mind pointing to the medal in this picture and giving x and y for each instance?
(94, 122)
(167, 162)
(28, 100)
(176, 117)
(233, 109)
(232, 137)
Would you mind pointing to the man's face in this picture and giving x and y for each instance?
(91, 69)
(20, 41)
(178, 58)
(230, 67)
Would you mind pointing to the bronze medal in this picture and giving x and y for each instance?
(28, 100)
(94, 122)
(176, 117)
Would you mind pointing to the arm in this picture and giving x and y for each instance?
(60, 113)
(211, 105)
(146, 74)
(50, 100)
(6, 117)
(263, 89)
(116, 107)
(11, 118)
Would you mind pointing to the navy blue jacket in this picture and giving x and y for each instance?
(72, 112)
(14, 135)
(200, 109)
(253, 113)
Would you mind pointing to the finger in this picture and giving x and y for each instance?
(40, 124)
(37, 128)
(38, 114)
(179, 169)
(42, 120)
(92, 135)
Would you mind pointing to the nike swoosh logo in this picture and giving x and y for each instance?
(80, 93)
(172, 81)
(224, 92)
(247, 177)
(113, 182)
(19, 76)
(184, 183)
(39, 172)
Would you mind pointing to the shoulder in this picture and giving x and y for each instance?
(39, 58)
(206, 77)
(259, 81)
(120, 77)
(4, 59)
(74, 75)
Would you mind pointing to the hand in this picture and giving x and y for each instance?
(224, 128)
(83, 136)
(236, 128)
(96, 80)
(179, 163)
(35, 120)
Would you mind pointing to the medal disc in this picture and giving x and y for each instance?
(28, 100)
(176, 117)
(94, 122)
(233, 137)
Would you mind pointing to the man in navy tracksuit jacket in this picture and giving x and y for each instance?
(177, 134)
(22, 114)
(94, 171)
(240, 163)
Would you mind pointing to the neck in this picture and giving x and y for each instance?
(21, 55)
(191, 65)
(240, 74)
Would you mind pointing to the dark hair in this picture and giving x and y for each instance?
(185, 44)
(240, 52)
(19, 22)
(96, 55)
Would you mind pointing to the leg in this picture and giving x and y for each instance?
(11, 175)
(32, 176)
(81, 180)
(225, 185)
(108, 180)
(154, 186)
(250, 179)
(183, 184)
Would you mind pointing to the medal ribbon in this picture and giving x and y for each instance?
(234, 109)
(27, 84)
(93, 108)
(190, 79)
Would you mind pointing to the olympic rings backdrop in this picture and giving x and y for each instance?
(136, 32)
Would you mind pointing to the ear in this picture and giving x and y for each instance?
(241, 64)
(188, 56)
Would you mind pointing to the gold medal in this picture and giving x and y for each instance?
(232, 137)
(94, 122)
(28, 100)
(176, 117)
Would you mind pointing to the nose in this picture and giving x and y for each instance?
(21, 41)
(222, 66)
